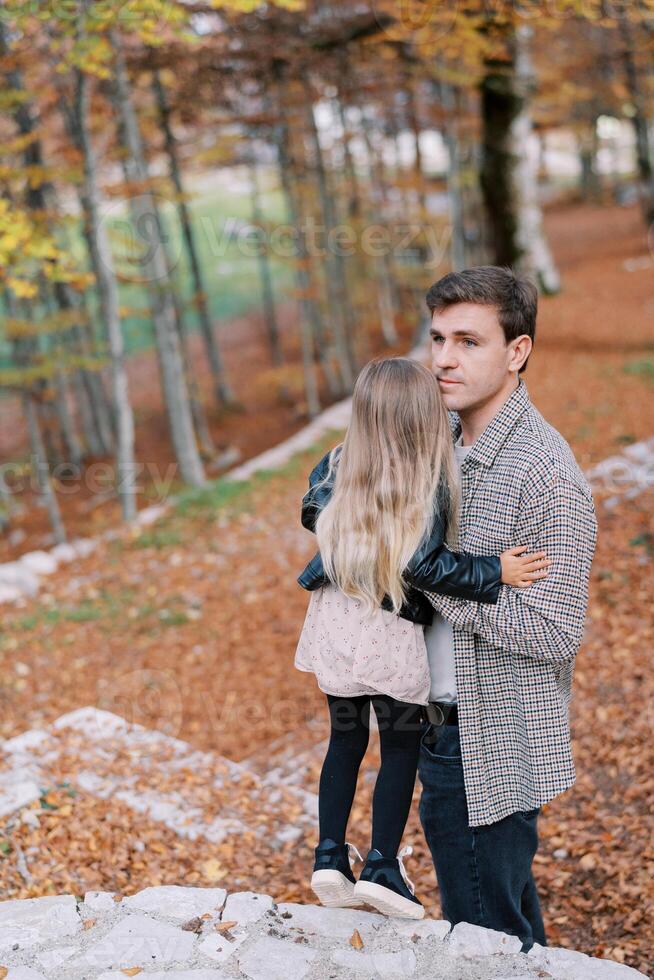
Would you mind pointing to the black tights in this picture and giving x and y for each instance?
(400, 729)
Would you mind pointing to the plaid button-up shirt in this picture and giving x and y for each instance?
(514, 660)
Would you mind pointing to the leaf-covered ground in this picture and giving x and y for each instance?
(190, 627)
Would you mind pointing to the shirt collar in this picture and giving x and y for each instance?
(485, 448)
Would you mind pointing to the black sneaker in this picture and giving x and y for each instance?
(384, 884)
(332, 880)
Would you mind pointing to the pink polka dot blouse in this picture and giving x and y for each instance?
(351, 656)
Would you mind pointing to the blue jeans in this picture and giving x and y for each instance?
(484, 873)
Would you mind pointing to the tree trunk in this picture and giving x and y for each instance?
(508, 177)
(146, 215)
(388, 299)
(589, 177)
(40, 467)
(354, 208)
(309, 315)
(338, 296)
(454, 195)
(107, 287)
(222, 389)
(639, 120)
(418, 169)
(205, 440)
(267, 294)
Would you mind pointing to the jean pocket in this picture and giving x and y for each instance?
(444, 748)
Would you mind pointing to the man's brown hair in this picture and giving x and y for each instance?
(514, 297)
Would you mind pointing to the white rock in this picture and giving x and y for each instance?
(19, 576)
(84, 546)
(10, 593)
(26, 741)
(151, 514)
(335, 923)
(177, 902)
(50, 959)
(92, 721)
(568, 964)
(25, 973)
(99, 902)
(423, 928)
(219, 947)
(289, 833)
(29, 921)
(138, 940)
(203, 973)
(39, 562)
(15, 794)
(246, 907)
(64, 552)
(276, 959)
(31, 817)
(400, 964)
(467, 939)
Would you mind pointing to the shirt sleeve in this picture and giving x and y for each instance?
(546, 620)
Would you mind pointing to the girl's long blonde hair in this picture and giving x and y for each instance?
(394, 472)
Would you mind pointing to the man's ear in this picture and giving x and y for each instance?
(520, 349)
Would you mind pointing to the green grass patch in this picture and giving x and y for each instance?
(236, 496)
(645, 540)
(158, 537)
(643, 368)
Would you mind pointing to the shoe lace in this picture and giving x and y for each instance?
(350, 848)
(406, 850)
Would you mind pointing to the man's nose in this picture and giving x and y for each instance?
(443, 356)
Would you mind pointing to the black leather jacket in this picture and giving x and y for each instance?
(433, 567)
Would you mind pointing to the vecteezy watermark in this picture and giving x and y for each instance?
(142, 248)
(145, 696)
(421, 22)
(96, 478)
(316, 240)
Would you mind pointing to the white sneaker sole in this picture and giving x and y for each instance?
(386, 901)
(333, 890)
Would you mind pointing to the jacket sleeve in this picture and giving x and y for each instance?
(435, 568)
(316, 496)
(313, 575)
(545, 621)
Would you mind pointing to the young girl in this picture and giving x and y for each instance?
(381, 504)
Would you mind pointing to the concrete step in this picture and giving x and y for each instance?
(174, 932)
(196, 794)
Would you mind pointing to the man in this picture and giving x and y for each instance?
(497, 745)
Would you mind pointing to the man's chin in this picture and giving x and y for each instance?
(454, 399)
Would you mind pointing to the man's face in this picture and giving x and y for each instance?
(470, 356)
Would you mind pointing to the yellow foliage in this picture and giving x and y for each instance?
(22, 288)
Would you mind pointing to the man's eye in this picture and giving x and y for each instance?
(436, 340)
(468, 341)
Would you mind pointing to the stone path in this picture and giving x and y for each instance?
(176, 933)
(182, 933)
(196, 794)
